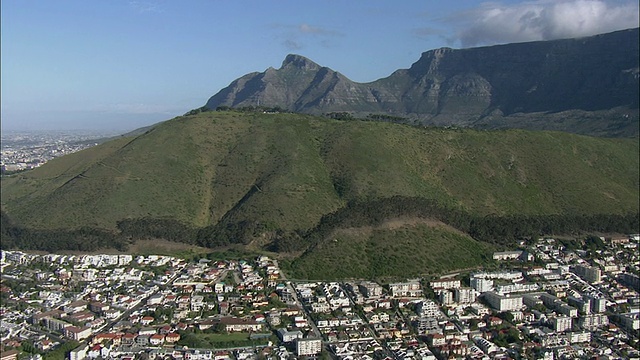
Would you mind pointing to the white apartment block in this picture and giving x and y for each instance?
(579, 337)
(504, 275)
(445, 284)
(408, 289)
(482, 285)
(503, 303)
(562, 323)
(507, 255)
(593, 321)
(445, 297)
(465, 295)
(429, 308)
(306, 347)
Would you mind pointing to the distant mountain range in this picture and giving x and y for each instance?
(585, 85)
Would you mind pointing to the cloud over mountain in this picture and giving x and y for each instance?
(494, 22)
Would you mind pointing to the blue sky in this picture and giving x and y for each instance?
(119, 65)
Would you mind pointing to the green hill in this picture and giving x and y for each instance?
(413, 248)
(286, 171)
(327, 192)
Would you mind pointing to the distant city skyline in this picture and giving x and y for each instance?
(120, 65)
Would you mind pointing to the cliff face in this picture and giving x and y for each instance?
(553, 84)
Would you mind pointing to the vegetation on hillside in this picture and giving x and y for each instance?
(290, 181)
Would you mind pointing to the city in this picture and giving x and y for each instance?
(550, 299)
(23, 150)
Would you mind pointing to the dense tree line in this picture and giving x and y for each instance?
(502, 231)
(244, 109)
(344, 115)
(150, 228)
(228, 232)
(83, 239)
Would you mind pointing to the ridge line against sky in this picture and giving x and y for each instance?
(120, 65)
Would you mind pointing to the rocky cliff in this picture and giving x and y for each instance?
(585, 85)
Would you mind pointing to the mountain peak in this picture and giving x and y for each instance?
(299, 61)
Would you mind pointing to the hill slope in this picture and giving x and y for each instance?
(586, 85)
(288, 170)
(407, 248)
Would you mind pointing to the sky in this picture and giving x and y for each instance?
(121, 64)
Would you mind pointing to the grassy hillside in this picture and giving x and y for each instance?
(287, 170)
(391, 251)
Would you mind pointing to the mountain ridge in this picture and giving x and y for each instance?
(586, 85)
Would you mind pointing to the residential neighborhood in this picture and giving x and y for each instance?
(544, 300)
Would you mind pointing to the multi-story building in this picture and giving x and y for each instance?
(578, 337)
(445, 284)
(408, 289)
(630, 279)
(428, 308)
(503, 303)
(582, 304)
(445, 297)
(487, 346)
(77, 333)
(309, 346)
(593, 321)
(465, 295)
(630, 321)
(481, 284)
(591, 274)
(598, 304)
(370, 289)
(562, 323)
(289, 336)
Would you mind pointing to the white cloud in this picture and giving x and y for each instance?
(494, 22)
(296, 37)
(146, 7)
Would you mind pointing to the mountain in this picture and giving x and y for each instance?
(289, 170)
(586, 85)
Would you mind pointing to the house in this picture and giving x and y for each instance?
(172, 338)
(75, 306)
(94, 352)
(494, 321)
(104, 337)
(77, 333)
(146, 331)
(437, 340)
(156, 339)
(44, 345)
(129, 339)
(233, 324)
(98, 307)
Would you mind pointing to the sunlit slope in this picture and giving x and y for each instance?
(287, 170)
(410, 250)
